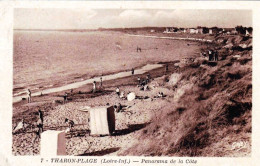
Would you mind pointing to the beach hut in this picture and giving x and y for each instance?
(53, 143)
(193, 31)
(102, 120)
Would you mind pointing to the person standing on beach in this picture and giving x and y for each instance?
(117, 91)
(38, 135)
(204, 54)
(166, 68)
(133, 71)
(148, 78)
(40, 114)
(138, 49)
(70, 123)
(29, 93)
(101, 81)
(94, 87)
(210, 55)
(139, 80)
(216, 56)
(39, 123)
(65, 97)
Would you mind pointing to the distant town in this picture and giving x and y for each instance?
(198, 30)
(168, 30)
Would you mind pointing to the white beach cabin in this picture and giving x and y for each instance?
(53, 143)
(102, 120)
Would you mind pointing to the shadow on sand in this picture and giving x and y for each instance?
(82, 95)
(130, 129)
(100, 153)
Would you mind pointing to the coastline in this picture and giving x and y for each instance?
(113, 60)
(188, 99)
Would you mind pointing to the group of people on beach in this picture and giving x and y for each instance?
(39, 122)
(39, 125)
(212, 54)
(94, 87)
(138, 49)
(143, 82)
(22, 125)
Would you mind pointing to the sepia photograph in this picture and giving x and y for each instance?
(132, 82)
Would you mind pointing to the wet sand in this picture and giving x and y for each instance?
(142, 70)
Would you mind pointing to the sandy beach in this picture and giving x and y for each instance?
(128, 122)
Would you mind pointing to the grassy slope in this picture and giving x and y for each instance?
(211, 108)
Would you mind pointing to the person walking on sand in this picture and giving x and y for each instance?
(133, 71)
(166, 68)
(94, 87)
(29, 93)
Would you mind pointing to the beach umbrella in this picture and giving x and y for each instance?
(131, 96)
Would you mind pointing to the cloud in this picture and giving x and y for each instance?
(193, 18)
(134, 14)
(166, 18)
(114, 18)
(138, 18)
(127, 18)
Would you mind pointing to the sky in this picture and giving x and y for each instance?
(48, 18)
